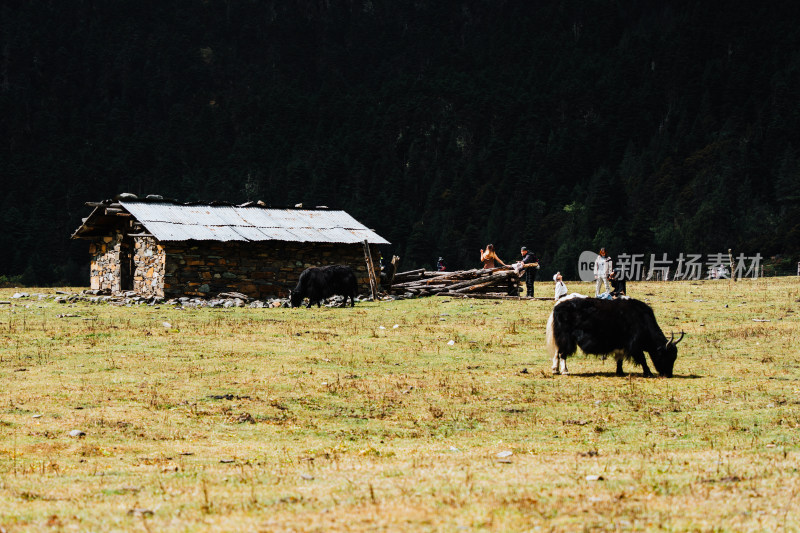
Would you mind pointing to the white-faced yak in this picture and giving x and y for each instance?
(318, 283)
(625, 328)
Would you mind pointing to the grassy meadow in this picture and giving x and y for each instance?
(370, 419)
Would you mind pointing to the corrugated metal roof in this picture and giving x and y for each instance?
(169, 222)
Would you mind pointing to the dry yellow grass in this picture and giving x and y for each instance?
(334, 420)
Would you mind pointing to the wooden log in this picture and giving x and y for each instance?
(415, 283)
(373, 283)
(409, 273)
(417, 287)
(473, 288)
(451, 278)
(495, 290)
(508, 286)
(494, 278)
(404, 281)
(488, 296)
(454, 274)
(407, 280)
(459, 275)
(441, 281)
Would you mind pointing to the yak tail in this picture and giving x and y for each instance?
(552, 348)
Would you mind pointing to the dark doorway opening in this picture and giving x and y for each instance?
(126, 266)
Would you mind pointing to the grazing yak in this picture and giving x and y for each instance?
(625, 328)
(318, 283)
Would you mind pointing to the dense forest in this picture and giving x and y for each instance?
(647, 127)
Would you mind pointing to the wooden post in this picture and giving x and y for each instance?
(395, 263)
(373, 284)
(733, 267)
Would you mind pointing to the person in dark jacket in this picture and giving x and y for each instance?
(531, 264)
(617, 285)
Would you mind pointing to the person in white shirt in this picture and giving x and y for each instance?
(601, 267)
(561, 289)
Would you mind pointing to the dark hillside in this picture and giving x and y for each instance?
(445, 125)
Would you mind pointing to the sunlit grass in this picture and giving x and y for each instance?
(335, 419)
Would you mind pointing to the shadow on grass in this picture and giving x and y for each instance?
(614, 375)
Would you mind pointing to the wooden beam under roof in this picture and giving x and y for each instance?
(114, 205)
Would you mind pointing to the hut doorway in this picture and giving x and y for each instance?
(126, 265)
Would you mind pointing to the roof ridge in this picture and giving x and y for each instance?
(157, 199)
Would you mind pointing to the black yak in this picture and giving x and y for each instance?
(624, 327)
(318, 283)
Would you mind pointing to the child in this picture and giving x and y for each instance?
(561, 289)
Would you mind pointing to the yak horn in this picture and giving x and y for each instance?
(671, 338)
(680, 338)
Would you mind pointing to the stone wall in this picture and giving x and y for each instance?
(105, 272)
(150, 261)
(260, 270)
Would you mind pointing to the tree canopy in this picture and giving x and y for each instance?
(643, 127)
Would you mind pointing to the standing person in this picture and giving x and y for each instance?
(440, 265)
(561, 288)
(601, 265)
(489, 257)
(531, 264)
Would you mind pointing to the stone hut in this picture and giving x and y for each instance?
(157, 247)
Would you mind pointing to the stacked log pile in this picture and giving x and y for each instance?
(497, 283)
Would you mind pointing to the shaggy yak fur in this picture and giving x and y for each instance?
(625, 328)
(318, 283)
